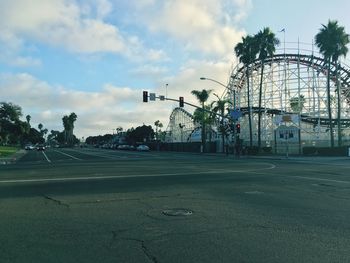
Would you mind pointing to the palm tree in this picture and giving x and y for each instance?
(119, 129)
(297, 103)
(71, 119)
(246, 51)
(266, 44)
(28, 118)
(66, 126)
(158, 125)
(332, 41)
(220, 106)
(202, 97)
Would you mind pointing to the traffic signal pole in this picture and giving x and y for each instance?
(182, 102)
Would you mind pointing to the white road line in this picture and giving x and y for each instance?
(69, 155)
(48, 160)
(86, 178)
(321, 179)
(101, 155)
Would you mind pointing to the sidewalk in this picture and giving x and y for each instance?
(13, 158)
(300, 157)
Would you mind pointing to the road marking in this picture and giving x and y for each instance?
(48, 160)
(101, 155)
(321, 179)
(71, 156)
(86, 178)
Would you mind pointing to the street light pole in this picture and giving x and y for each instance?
(234, 139)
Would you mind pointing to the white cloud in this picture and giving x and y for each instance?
(60, 22)
(203, 25)
(98, 112)
(101, 111)
(77, 27)
(243, 6)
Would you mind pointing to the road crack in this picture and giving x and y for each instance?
(145, 249)
(59, 202)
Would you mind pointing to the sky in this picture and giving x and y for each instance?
(95, 57)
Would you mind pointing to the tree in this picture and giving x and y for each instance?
(266, 44)
(219, 106)
(246, 51)
(40, 127)
(332, 41)
(140, 134)
(28, 118)
(158, 125)
(119, 129)
(68, 124)
(297, 103)
(205, 116)
(202, 97)
(11, 127)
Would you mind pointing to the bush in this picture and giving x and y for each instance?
(267, 149)
(326, 151)
(336, 151)
(253, 150)
(309, 150)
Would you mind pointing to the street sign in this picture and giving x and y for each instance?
(290, 133)
(152, 96)
(235, 114)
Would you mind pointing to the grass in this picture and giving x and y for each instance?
(6, 151)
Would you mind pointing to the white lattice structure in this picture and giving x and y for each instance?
(295, 73)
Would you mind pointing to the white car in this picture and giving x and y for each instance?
(142, 148)
(29, 147)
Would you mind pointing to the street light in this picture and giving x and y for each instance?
(218, 82)
(234, 100)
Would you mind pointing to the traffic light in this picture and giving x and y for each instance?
(181, 101)
(238, 128)
(145, 96)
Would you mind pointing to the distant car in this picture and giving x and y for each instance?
(142, 148)
(123, 147)
(29, 147)
(40, 148)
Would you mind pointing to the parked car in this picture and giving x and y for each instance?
(40, 147)
(142, 148)
(29, 147)
(123, 147)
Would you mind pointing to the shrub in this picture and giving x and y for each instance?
(253, 150)
(309, 150)
(267, 149)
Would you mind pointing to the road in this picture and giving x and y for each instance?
(94, 205)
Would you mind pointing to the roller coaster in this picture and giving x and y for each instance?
(294, 83)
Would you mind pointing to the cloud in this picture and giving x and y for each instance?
(98, 112)
(203, 25)
(61, 23)
(103, 110)
(74, 26)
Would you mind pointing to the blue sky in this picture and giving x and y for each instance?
(94, 57)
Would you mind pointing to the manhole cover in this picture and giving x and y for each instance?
(177, 212)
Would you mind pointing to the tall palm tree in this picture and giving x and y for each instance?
(28, 118)
(119, 129)
(158, 125)
(246, 51)
(332, 41)
(66, 126)
(220, 106)
(266, 44)
(202, 97)
(71, 118)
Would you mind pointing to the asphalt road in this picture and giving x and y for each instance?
(93, 205)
